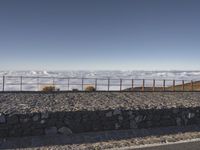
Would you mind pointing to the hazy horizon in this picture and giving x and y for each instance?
(113, 74)
(62, 70)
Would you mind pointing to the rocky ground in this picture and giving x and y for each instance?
(103, 140)
(12, 103)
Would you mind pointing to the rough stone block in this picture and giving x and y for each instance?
(178, 121)
(2, 118)
(15, 132)
(59, 124)
(3, 126)
(116, 112)
(37, 131)
(108, 125)
(36, 125)
(3, 133)
(120, 118)
(133, 124)
(42, 121)
(12, 119)
(191, 115)
(125, 124)
(36, 117)
(109, 114)
(64, 130)
(167, 122)
(60, 116)
(44, 115)
(51, 122)
(66, 121)
(26, 132)
(51, 130)
(117, 126)
(93, 116)
(149, 124)
(139, 118)
(23, 120)
(97, 126)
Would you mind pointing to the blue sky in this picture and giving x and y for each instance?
(99, 35)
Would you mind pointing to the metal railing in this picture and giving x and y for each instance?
(30, 83)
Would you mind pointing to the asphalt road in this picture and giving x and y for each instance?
(195, 145)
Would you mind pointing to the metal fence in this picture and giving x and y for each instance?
(30, 83)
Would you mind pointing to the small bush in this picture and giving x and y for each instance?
(75, 90)
(90, 88)
(49, 89)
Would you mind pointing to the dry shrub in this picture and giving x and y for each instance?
(49, 88)
(90, 88)
(75, 90)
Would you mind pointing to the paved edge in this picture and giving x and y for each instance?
(156, 145)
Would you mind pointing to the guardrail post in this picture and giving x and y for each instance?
(38, 84)
(174, 84)
(3, 88)
(163, 85)
(96, 84)
(154, 83)
(132, 85)
(108, 84)
(183, 85)
(143, 84)
(21, 83)
(120, 85)
(68, 83)
(53, 82)
(192, 88)
(82, 84)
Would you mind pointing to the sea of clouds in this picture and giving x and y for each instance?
(59, 78)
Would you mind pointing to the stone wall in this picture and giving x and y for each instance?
(84, 121)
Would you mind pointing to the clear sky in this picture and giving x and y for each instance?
(99, 34)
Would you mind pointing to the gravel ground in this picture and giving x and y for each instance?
(75, 101)
(104, 140)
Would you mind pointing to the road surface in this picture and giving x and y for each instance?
(193, 145)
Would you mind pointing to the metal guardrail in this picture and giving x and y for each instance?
(32, 83)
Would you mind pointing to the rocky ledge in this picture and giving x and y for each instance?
(36, 113)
